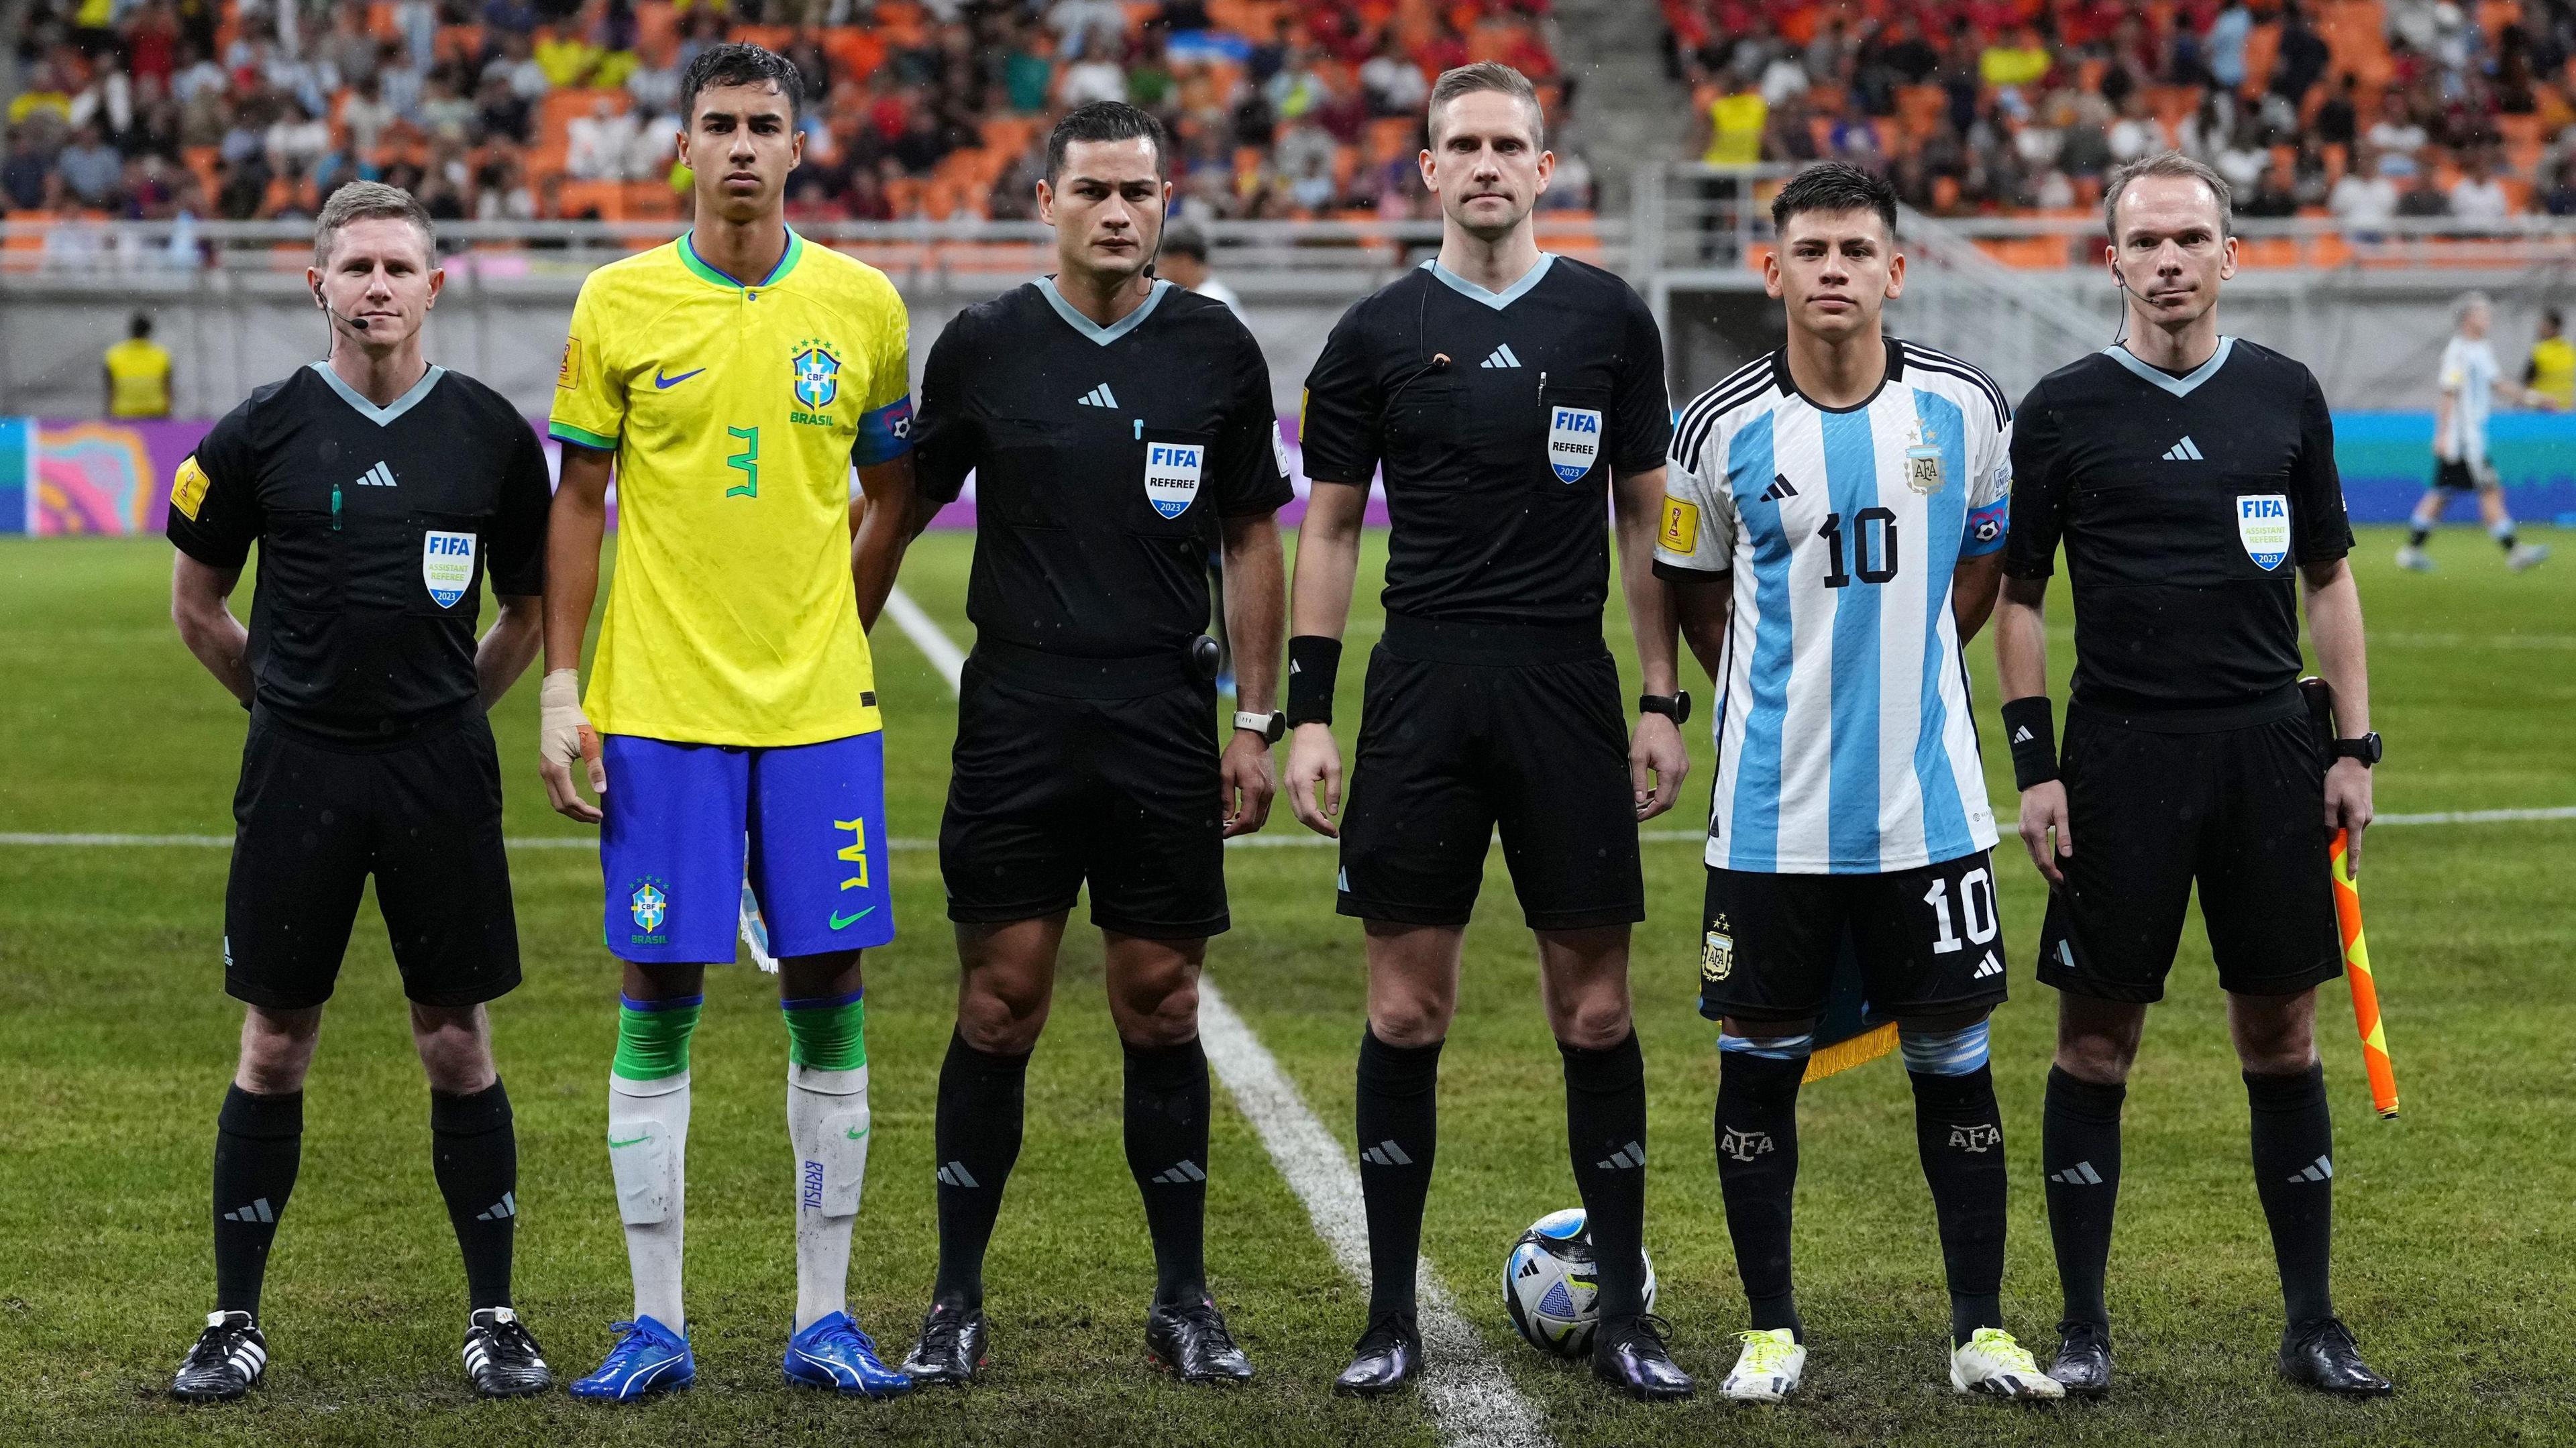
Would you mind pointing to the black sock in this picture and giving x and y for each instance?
(1399, 1129)
(475, 1155)
(2504, 536)
(2416, 533)
(982, 1097)
(1757, 1175)
(258, 1142)
(1958, 1131)
(1167, 1151)
(2294, 1174)
(2079, 1150)
(1605, 1129)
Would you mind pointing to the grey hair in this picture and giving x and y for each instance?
(369, 201)
(2167, 163)
(2469, 301)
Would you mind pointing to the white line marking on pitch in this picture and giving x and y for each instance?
(1248, 842)
(1462, 1383)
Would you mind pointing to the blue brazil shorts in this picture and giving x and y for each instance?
(684, 818)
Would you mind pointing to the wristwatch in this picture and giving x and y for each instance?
(1274, 727)
(2366, 749)
(1674, 706)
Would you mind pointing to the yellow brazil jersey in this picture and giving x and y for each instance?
(735, 413)
(138, 377)
(2553, 370)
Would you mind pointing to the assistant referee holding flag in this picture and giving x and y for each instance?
(2189, 475)
(1504, 390)
(385, 494)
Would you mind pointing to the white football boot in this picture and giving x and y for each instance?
(1768, 1369)
(1994, 1364)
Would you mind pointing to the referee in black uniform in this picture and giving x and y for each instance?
(1510, 395)
(2190, 476)
(385, 495)
(1117, 426)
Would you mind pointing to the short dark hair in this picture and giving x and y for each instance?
(739, 64)
(369, 201)
(1183, 238)
(1835, 186)
(141, 326)
(1103, 121)
(2551, 315)
(1487, 75)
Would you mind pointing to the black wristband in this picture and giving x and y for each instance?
(2030, 729)
(1313, 663)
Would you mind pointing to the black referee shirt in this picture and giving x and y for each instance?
(1494, 483)
(1103, 459)
(2185, 504)
(376, 530)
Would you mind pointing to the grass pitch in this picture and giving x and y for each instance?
(116, 1039)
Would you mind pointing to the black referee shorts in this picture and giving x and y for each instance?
(313, 820)
(2242, 811)
(1452, 750)
(1052, 790)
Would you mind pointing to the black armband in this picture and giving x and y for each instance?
(2030, 728)
(1313, 663)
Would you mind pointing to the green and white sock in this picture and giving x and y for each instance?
(648, 1145)
(827, 1123)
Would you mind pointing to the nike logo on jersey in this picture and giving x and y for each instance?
(667, 383)
(839, 920)
(1780, 488)
(1503, 356)
(378, 476)
(1099, 396)
(2184, 452)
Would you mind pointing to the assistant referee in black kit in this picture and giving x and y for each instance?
(385, 495)
(1118, 426)
(2191, 476)
(1511, 396)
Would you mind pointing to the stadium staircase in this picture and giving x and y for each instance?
(1627, 110)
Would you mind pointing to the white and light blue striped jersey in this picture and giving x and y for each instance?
(1844, 741)
(2469, 376)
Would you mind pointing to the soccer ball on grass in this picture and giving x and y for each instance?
(1551, 1288)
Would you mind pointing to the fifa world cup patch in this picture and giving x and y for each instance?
(1172, 476)
(568, 375)
(188, 489)
(1573, 441)
(1681, 526)
(2263, 526)
(1716, 954)
(446, 565)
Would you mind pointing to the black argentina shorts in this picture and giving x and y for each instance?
(314, 818)
(2456, 475)
(1928, 941)
(1466, 730)
(2240, 810)
(1053, 786)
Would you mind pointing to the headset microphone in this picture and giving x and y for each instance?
(360, 323)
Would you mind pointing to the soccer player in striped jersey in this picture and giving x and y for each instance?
(734, 377)
(1831, 534)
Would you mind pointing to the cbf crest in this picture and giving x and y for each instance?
(648, 904)
(817, 372)
(1573, 441)
(1717, 953)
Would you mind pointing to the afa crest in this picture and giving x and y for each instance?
(1717, 954)
(649, 905)
(817, 371)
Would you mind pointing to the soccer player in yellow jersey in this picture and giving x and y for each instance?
(2549, 378)
(732, 378)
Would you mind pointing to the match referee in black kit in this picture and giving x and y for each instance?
(385, 495)
(2191, 477)
(1117, 426)
(1511, 396)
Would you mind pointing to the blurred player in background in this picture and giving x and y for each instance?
(2549, 376)
(1840, 506)
(138, 373)
(733, 377)
(385, 494)
(2469, 384)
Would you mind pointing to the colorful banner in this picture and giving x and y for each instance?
(89, 478)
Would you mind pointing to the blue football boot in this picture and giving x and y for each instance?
(834, 1354)
(649, 1358)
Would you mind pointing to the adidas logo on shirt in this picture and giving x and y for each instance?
(1780, 488)
(2319, 1170)
(2081, 1174)
(378, 476)
(1178, 1174)
(1503, 357)
(955, 1174)
(2183, 452)
(1099, 396)
(1386, 1153)
(1633, 1155)
(257, 1211)
(500, 1211)
(1988, 966)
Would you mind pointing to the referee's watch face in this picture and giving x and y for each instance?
(1106, 205)
(741, 142)
(1485, 163)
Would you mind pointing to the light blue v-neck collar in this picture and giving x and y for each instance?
(1495, 300)
(1074, 318)
(381, 416)
(2179, 386)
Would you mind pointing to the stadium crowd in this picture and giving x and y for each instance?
(2359, 109)
(519, 109)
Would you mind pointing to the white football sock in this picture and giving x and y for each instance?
(827, 1121)
(648, 1148)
